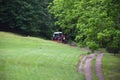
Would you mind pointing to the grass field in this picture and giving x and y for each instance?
(111, 67)
(29, 58)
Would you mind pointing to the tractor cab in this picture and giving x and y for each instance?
(59, 37)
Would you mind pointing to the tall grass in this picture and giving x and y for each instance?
(29, 58)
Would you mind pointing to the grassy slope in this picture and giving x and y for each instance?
(29, 58)
(111, 67)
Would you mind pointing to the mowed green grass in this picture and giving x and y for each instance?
(111, 67)
(29, 58)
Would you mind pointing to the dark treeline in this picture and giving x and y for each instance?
(28, 17)
(92, 23)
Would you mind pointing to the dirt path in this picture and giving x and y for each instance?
(81, 64)
(87, 67)
(98, 67)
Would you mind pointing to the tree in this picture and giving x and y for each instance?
(63, 9)
(93, 23)
(29, 17)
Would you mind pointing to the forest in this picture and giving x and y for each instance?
(91, 23)
(27, 17)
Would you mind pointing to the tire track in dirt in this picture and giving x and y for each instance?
(87, 67)
(81, 64)
(98, 66)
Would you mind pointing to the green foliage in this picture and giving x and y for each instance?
(92, 45)
(66, 20)
(27, 16)
(96, 21)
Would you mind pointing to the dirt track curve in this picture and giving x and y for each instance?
(81, 64)
(85, 66)
(98, 66)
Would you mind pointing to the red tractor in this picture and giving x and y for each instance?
(59, 37)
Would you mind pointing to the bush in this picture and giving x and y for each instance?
(92, 45)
